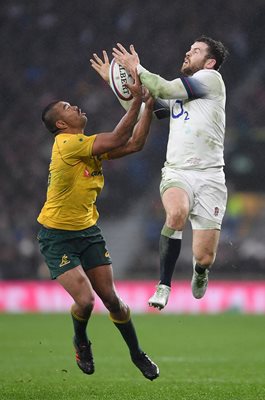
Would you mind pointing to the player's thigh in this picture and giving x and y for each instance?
(204, 244)
(59, 250)
(210, 197)
(176, 201)
(77, 284)
(94, 252)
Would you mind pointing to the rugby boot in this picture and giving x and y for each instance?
(84, 357)
(148, 368)
(160, 297)
(199, 283)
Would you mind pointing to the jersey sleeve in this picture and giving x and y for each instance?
(77, 147)
(161, 109)
(160, 87)
(208, 80)
(104, 156)
(199, 85)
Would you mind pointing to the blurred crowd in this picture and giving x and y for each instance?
(46, 47)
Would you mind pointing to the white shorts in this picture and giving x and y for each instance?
(207, 194)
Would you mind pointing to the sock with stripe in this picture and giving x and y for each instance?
(80, 325)
(169, 250)
(128, 333)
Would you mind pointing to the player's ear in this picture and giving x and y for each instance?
(60, 124)
(210, 63)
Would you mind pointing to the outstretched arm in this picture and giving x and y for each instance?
(162, 88)
(158, 87)
(141, 130)
(105, 142)
(102, 65)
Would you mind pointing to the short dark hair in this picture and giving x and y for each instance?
(49, 118)
(217, 50)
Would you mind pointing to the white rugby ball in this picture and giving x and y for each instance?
(118, 77)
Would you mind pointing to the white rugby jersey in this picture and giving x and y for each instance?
(197, 117)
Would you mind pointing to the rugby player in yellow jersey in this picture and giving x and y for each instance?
(70, 240)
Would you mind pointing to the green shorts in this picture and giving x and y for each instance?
(64, 250)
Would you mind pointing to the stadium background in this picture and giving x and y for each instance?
(45, 48)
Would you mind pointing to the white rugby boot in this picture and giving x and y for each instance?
(199, 283)
(160, 297)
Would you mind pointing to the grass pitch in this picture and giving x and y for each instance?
(219, 357)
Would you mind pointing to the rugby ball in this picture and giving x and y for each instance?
(118, 77)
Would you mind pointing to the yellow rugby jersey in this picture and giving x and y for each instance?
(75, 181)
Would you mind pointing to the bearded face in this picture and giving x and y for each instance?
(195, 59)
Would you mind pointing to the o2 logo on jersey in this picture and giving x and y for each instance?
(178, 111)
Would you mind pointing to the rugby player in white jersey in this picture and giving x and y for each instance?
(193, 182)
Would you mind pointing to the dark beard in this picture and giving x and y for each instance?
(187, 71)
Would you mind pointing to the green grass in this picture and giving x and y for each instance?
(219, 357)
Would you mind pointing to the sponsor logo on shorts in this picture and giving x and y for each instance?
(107, 255)
(216, 211)
(65, 260)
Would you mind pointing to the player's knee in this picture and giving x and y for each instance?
(205, 260)
(176, 220)
(113, 303)
(86, 302)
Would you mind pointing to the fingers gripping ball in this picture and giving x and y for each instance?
(118, 77)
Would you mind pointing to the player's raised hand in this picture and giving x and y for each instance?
(101, 66)
(128, 60)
